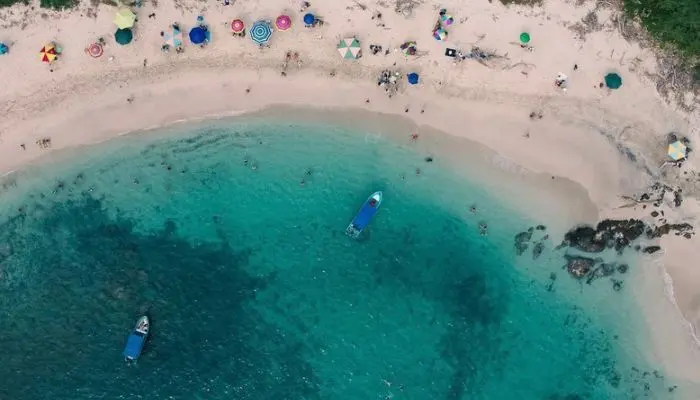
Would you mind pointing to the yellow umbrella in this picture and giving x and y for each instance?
(677, 150)
(124, 19)
(48, 53)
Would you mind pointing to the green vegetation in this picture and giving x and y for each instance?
(671, 22)
(58, 4)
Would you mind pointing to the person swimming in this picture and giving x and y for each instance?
(483, 228)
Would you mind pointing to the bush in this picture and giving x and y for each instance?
(674, 22)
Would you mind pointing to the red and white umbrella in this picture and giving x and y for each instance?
(237, 26)
(95, 50)
(283, 22)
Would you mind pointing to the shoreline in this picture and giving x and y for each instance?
(586, 136)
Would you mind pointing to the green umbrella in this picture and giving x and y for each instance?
(525, 37)
(123, 36)
(613, 80)
(349, 48)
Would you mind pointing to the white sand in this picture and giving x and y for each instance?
(84, 100)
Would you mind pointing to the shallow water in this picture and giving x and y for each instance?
(255, 293)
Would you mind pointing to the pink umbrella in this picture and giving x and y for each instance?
(283, 22)
(237, 26)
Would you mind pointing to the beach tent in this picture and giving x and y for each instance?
(123, 36)
(48, 53)
(309, 19)
(524, 38)
(677, 150)
(261, 32)
(440, 34)
(237, 26)
(349, 48)
(613, 80)
(124, 19)
(173, 37)
(95, 50)
(412, 78)
(4, 49)
(283, 22)
(198, 35)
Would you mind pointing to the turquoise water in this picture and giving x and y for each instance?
(255, 293)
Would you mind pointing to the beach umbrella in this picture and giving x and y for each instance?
(283, 22)
(440, 34)
(413, 78)
(349, 48)
(123, 36)
(95, 50)
(48, 53)
(198, 35)
(409, 48)
(260, 32)
(677, 150)
(4, 49)
(525, 38)
(446, 19)
(125, 18)
(173, 37)
(237, 26)
(613, 80)
(309, 19)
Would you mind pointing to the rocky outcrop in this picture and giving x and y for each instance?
(617, 234)
(579, 267)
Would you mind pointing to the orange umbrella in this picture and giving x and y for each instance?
(48, 53)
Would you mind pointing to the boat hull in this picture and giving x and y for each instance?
(364, 215)
(136, 340)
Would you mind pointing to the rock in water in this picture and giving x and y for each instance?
(651, 249)
(616, 234)
(579, 267)
(521, 240)
(537, 250)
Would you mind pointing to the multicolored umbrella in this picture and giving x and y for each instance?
(409, 48)
(123, 36)
(95, 50)
(237, 26)
(4, 49)
(125, 18)
(283, 22)
(198, 35)
(677, 150)
(613, 80)
(440, 34)
(309, 19)
(48, 53)
(524, 38)
(261, 32)
(446, 19)
(349, 48)
(173, 37)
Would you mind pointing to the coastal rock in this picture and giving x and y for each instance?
(658, 231)
(541, 227)
(603, 270)
(521, 241)
(616, 234)
(579, 267)
(537, 250)
(651, 249)
(622, 268)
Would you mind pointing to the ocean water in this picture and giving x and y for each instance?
(254, 292)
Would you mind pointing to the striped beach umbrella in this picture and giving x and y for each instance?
(440, 34)
(283, 22)
(173, 37)
(677, 150)
(123, 36)
(237, 26)
(349, 48)
(95, 50)
(125, 18)
(48, 53)
(261, 32)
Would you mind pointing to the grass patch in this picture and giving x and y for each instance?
(671, 22)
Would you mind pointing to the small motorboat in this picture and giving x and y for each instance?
(364, 216)
(136, 340)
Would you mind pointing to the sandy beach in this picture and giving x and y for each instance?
(605, 144)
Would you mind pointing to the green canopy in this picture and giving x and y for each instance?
(349, 48)
(613, 80)
(525, 37)
(123, 36)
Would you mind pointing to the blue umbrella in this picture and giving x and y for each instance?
(198, 35)
(3, 49)
(412, 78)
(309, 19)
(260, 32)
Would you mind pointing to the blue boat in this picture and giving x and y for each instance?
(136, 340)
(364, 216)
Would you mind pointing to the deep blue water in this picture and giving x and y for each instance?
(255, 293)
